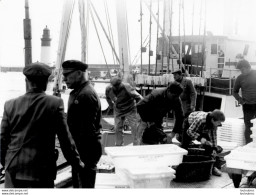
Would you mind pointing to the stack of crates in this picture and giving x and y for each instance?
(232, 130)
(146, 166)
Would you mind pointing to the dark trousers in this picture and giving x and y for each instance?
(249, 111)
(85, 178)
(12, 182)
(91, 156)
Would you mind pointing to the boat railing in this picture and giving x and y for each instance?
(221, 80)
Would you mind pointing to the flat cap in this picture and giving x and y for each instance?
(243, 64)
(37, 70)
(72, 65)
(177, 72)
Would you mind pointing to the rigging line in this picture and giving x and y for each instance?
(62, 49)
(128, 39)
(140, 49)
(83, 30)
(99, 40)
(163, 53)
(161, 29)
(169, 40)
(193, 9)
(87, 31)
(200, 21)
(157, 35)
(184, 41)
(179, 33)
(109, 29)
(150, 23)
(203, 52)
(170, 37)
(141, 38)
(137, 55)
(104, 30)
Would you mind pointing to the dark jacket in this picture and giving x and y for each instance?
(156, 105)
(188, 96)
(84, 116)
(28, 131)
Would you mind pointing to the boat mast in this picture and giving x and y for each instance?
(123, 40)
(141, 14)
(27, 35)
(157, 31)
(63, 39)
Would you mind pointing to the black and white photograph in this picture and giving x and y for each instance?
(122, 95)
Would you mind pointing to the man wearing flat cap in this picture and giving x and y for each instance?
(188, 96)
(246, 82)
(28, 129)
(83, 116)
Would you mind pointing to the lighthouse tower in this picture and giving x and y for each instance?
(46, 47)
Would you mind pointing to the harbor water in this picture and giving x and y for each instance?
(12, 85)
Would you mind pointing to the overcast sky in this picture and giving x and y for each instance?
(48, 12)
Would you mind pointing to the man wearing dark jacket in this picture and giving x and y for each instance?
(188, 96)
(83, 116)
(246, 83)
(156, 105)
(28, 130)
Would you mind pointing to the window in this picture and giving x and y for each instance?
(213, 48)
(198, 48)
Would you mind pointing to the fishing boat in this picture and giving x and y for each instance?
(209, 61)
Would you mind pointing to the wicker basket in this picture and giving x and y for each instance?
(194, 168)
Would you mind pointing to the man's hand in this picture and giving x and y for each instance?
(205, 142)
(214, 153)
(192, 108)
(170, 136)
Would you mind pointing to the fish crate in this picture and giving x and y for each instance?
(145, 156)
(242, 158)
(149, 178)
(194, 168)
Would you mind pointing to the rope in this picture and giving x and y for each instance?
(139, 51)
(104, 30)
(192, 33)
(199, 36)
(157, 34)
(170, 43)
(109, 29)
(203, 52)
(163, 40)
(141, 36)
(87, 32)
(184, 32)
(62, 48)
(83, 30)
(99, 39)
(150, 23)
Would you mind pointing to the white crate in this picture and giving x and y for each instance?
(150, 178)
(232, 130)
(227, 146)
(239, 163)
(142, 156)
(242, 158)
(109, 180)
